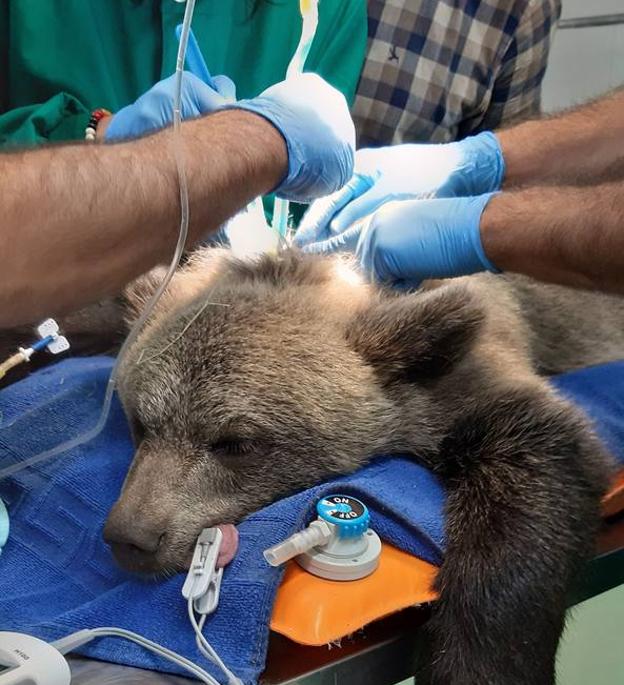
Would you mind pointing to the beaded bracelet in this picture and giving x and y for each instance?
(96, 116)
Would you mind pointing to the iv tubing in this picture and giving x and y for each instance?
(138, 326)
(194, 59)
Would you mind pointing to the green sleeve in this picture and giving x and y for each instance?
(339, 46)
(61, 118)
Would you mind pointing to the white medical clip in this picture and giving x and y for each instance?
(203, 581)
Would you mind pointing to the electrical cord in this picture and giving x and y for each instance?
(204, 646)
(71, 642)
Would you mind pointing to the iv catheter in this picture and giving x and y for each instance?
(309, 15)
(49, 339)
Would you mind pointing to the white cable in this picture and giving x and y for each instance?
(169, 654)
(205, 647)
(71, 642)
(149, 308)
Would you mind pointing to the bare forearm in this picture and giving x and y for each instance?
(571, 236)
(78, 222)
(584, 145)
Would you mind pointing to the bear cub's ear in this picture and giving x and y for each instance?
(416, 338)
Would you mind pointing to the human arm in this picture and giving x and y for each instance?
(571, 236)
(80, 221)
(585, 144)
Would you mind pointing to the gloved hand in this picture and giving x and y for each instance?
(154, 109)
(404, 243)
(473, 166)
(315, 122)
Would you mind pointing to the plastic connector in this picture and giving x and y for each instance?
(316, 534)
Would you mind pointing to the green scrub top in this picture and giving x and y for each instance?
(61, 59)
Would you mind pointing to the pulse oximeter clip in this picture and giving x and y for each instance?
(203, 581)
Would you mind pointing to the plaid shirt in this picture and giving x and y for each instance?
(439, 70)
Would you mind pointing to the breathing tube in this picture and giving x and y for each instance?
(309, 15)
(178, 151)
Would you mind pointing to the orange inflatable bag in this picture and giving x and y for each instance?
(314, 611)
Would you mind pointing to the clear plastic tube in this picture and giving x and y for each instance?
(178, 151)
(309, 16)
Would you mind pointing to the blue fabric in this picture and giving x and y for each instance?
(599, 391)
(57, 576)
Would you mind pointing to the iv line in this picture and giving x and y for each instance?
(177, 144)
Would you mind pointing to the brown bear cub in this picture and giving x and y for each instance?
(258, 378)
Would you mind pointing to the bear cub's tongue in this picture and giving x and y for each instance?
(229, 544)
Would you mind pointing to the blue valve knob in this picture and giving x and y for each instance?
(348, 514)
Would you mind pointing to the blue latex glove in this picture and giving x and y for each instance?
(471, 167)
(154, 109)
(313, 117)
(404, 243)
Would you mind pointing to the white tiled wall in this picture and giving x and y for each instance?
(584, 62)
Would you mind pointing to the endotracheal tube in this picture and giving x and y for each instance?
(309, 16)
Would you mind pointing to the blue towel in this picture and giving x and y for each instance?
(599, 391)
(57, 576)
